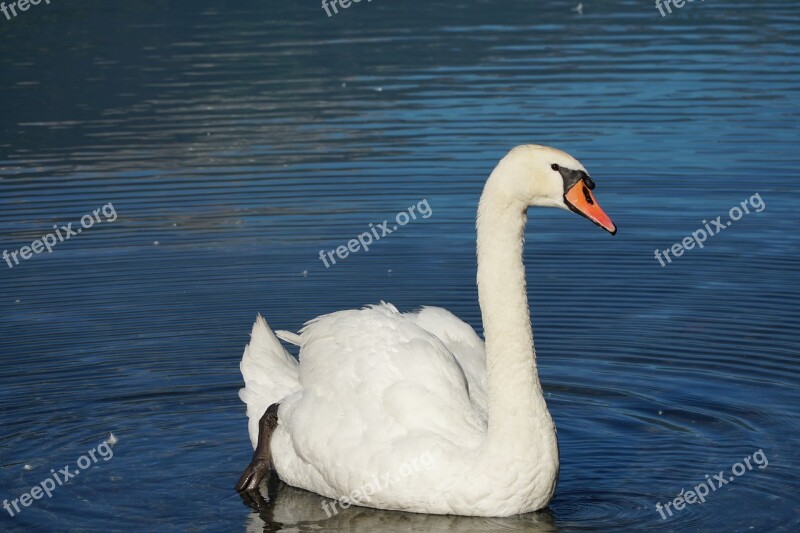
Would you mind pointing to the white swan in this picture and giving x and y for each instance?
(409, 411)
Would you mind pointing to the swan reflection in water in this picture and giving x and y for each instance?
(287, 503)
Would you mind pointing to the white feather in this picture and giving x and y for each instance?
(270, 374)
(288, 336)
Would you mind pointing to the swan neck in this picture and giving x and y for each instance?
(516, 404)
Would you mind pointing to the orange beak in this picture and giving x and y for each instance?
(580, 199)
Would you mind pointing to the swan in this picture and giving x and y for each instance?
(413, 411)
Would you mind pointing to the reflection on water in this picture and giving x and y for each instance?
(237, 142)
(292, 509)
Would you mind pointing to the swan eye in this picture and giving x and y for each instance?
(555, 167)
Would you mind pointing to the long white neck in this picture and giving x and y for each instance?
(518, 415)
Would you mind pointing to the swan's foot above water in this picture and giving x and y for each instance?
(259, 468)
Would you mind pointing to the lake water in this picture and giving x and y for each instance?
(234, 142)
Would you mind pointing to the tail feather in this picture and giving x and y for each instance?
(270, 374)
(288, 336)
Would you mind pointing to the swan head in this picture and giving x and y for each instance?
(535, 175)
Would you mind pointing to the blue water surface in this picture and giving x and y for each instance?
(235, 141)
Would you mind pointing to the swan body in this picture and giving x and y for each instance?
(414, 411)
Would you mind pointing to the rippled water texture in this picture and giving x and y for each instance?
(236, 141)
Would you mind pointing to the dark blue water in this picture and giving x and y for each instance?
(235, 141)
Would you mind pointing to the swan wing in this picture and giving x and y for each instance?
(378, 390)
(463, 343)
